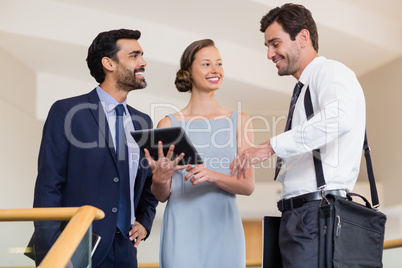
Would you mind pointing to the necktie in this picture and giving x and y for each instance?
(124, 215)
(296, 92)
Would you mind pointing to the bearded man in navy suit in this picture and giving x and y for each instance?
(78, 164)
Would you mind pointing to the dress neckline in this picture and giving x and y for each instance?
(203, 120)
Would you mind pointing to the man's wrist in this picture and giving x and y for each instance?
(269, 150)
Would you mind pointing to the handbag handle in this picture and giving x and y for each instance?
(317, 156)
(367, 203)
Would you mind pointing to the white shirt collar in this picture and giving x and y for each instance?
(109, 103)
(304, 77)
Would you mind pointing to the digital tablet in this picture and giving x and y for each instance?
(148, 138)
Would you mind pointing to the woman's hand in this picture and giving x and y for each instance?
(199, 173)
(164, 168)
(244, 161)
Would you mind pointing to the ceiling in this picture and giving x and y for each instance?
(52, 36)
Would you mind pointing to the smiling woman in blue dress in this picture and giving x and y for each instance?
(202, 225)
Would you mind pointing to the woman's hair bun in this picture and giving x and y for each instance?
(183, 81)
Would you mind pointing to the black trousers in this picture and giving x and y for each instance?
(122, 254)
(298, 236)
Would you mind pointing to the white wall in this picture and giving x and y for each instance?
(383, 91)
(19, 138)
(20, 133)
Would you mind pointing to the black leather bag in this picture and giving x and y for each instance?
(351, 234)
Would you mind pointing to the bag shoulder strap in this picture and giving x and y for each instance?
(319, 173)
(317, 156)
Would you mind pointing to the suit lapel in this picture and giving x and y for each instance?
(135, 118)
(139, 180)
(105, 137)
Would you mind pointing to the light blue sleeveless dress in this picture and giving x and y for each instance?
(202, 225)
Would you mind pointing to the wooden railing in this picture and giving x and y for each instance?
(395, 243)
(68, 241)
(81, 218)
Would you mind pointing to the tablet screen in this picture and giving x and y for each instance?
(148, 138)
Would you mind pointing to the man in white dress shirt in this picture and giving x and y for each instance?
(336, 128)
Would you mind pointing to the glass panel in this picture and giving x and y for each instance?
(14, 238)
(82, 255)
(14, 250)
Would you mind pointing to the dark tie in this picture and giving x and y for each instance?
(124, 219)
(293, 100)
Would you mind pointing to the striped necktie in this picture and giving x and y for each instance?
(296, 92)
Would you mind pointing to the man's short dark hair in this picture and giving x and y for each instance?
(104, 45)
(293, 18)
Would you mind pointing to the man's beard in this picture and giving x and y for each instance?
(292, 62)
(128, 81)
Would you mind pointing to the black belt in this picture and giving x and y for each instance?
(300, 200)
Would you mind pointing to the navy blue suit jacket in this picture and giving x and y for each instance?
(77, 166)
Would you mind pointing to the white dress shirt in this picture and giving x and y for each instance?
(109, 104)
(337, 129)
